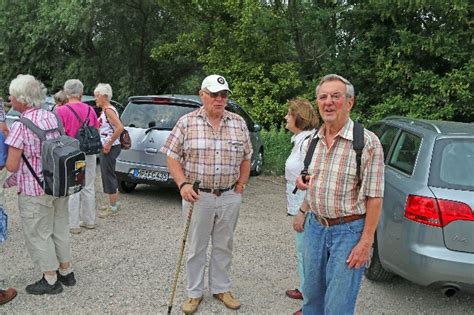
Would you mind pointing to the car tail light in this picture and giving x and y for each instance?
(436, 212)
(160, 100)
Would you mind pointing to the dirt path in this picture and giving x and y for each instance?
(126, 265)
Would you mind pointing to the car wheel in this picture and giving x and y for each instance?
(258, 168)
(374, 270)
(126, 187)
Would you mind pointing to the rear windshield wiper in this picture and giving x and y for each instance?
(156, 128)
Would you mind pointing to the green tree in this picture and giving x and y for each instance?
(410, 58)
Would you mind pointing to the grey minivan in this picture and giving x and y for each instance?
(149, 120)
(426, 231)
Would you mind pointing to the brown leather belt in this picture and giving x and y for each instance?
(216, 192)
(330, 222)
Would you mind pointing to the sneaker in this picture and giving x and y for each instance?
(75, 230)
(7, 295)
(107, 212)
(228, 299)
(43, 287)
(87, 226)
(191, 305)
(68, 280)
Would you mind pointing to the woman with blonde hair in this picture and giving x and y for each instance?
(301, 120)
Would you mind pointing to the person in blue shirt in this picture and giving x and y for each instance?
(10, 293)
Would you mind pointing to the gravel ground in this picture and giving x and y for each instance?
(126, 265)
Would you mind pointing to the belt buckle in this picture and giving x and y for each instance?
(323, 220)
(217, 192)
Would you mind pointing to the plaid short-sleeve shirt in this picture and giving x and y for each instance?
(24, 139)
(212, 156)
(334, 190)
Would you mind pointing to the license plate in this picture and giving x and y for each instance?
(151, 175)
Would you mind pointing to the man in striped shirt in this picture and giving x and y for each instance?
(344, 211)
(212, 145)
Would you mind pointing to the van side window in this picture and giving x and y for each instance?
(405, 152)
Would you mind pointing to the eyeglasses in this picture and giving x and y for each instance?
(222, 94)
(335, 97)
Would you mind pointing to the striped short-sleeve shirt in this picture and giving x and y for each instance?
(209, 155)
(334, 190)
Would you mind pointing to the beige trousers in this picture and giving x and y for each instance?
(45, 223)
(82, 204)
(214, 218)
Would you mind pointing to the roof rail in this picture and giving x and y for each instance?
(418, 122)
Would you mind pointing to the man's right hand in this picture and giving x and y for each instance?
(300, 184)
(187, 193)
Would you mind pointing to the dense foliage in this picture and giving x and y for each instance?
(405, 57)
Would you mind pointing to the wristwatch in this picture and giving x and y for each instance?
(241, 185)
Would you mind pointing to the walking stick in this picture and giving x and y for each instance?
(183, 244)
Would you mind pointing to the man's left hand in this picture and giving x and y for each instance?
(239, 189)
(360, 254)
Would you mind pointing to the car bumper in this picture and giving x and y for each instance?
(439, 267)
(127, 171)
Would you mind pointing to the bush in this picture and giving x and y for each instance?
(277, 144)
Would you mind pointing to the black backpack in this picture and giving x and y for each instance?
(357, 145)
(88, 136)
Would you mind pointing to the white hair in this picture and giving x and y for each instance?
(27, 90)
(73, 88)
(335, 77)
(104, 89)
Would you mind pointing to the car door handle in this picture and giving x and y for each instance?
(151, 150)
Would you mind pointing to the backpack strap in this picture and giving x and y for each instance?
(36, 130)
(358, 146)
(82, 122)
(308, 157)
(32, 170)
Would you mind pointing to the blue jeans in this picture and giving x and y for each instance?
(330, 287)
(299, 238)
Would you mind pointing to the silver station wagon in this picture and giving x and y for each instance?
(426, 231)
(149, 120)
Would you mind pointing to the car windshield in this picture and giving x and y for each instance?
(148, 115)
(453, 164)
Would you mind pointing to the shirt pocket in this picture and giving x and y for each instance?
(234, 152)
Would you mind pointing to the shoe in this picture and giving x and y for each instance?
(191, 305)
(75, 230)
(68, 280)
(298, 312)
(7, 295)
(87, 226)
(43, 287)
(294, 294)
(228, 300)
(107, 212)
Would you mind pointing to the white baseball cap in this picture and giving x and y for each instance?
(215, 83)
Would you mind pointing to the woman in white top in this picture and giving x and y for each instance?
(110, 128)
(301, 120)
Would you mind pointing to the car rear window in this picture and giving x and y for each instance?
(147, 115)
(452, 164)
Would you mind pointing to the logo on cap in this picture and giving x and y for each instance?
(220, 80)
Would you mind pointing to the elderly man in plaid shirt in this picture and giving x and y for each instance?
(344, 211)
(211, 145)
